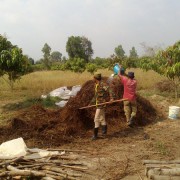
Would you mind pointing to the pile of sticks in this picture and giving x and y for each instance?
(162, 170)
(59, 166)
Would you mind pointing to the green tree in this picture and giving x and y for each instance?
(77, 65)
(56, 56)
(119, 51)
(79, 47)
(133, 53)
(31, 60)
(14, 64)
(5, 44)
(101, 62)
(87, 48)
(91, 68)
(46, 60)
(166, 63)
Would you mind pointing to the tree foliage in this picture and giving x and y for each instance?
(77, 65)
(56, 56)
(46, 60)
(119, 51)
(101, 63)
(14, 64)
(79, 47)
(133, 53)
(167, 63)
(91, 68)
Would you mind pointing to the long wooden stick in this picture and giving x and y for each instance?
(109, 102)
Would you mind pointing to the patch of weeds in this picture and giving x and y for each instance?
(50, 101)
(20, 105)
(161, 147)
(147, 93)
(47, 102)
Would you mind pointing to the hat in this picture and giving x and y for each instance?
(131, 75)
(122, 71)
(97, 76)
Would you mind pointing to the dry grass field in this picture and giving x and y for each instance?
(37, 83)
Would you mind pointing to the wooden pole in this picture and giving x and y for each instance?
(161, 162)
(109, 102)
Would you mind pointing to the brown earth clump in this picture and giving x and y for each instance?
(53, 128)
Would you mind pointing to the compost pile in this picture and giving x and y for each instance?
(54, 127)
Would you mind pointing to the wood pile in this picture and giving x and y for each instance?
(162, 170)
(64, 164)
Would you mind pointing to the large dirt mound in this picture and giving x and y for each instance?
(53, 128)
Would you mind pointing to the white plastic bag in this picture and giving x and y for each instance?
(12, 149)
(75, 90)
(61, 103)
(58, 92)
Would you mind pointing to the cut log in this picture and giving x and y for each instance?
(59, 170)
(56, 174)
(33, 165)
(161, 162)
(157, 177)
(11, 161)
(163, 166)
(54, 177)
(48, 178)
(68, 150)
(75, 167)
(17, 172)
(170, 172)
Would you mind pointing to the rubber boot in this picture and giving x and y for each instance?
(104, 130)
(130, 123)
(95, 134)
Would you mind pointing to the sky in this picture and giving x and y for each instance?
(106, 23)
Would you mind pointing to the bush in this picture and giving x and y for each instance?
(165, 86)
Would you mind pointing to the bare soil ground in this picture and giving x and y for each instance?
(120, 154)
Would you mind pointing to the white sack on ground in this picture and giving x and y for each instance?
(12, 149)
(61, 103)
(59, 91)
(75, 90)
(64, 94)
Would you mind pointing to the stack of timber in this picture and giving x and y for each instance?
(162, 170)
(64, 164)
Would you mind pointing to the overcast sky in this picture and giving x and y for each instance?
(106, 23)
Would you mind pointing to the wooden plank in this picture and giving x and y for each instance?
(161, 162)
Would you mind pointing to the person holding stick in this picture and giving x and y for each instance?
(101, 90)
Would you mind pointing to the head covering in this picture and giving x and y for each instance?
(131, 75)
(122, 71)
(97, 76)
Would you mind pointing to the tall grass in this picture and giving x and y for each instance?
(38, 83)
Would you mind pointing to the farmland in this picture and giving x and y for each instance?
(122, 152)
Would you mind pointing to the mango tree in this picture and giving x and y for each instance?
(14, 64)
(166, 63)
